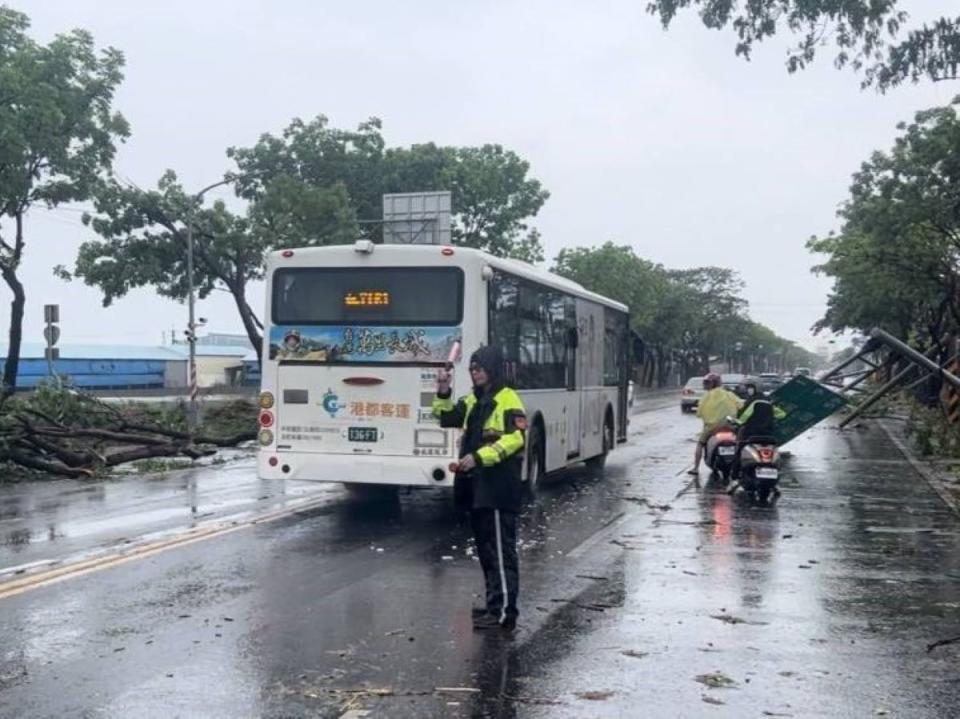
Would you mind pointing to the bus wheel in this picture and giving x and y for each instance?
(596, 464)
(534, 464)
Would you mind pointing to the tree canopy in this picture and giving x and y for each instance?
(895, 261)
(58, 135)
(312, 185)
(868, 35)
(683, 316)
(493, 197)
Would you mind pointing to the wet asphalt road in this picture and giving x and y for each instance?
(639, 590)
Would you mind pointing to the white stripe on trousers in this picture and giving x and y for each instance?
(503, 576)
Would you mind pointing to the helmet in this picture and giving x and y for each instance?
(712, 380)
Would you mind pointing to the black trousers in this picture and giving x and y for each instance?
(495, 532)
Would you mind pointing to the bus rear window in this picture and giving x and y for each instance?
(406, 296)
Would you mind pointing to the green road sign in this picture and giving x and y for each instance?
(806, 402)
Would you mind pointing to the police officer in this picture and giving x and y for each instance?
(488, 481)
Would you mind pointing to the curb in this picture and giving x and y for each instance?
(928, 473)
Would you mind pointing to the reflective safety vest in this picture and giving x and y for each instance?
(503, 430)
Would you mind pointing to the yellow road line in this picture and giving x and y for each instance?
(76, 569)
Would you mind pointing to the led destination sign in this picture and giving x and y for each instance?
(367, 298)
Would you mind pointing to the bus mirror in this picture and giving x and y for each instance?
(573, 337)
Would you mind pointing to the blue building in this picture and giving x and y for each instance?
(118, 366)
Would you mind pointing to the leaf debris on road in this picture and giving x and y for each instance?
(730, 619)
(593, 696)
(716, 680)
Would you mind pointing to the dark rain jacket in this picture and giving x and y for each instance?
(758, 418)
(494, 424)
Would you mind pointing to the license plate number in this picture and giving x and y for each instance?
(727, 451)
(767, 473)
(362, 434)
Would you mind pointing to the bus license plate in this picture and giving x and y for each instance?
(767, 473)
(362, 434)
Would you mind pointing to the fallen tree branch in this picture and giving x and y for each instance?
(75, 434)
(42, 465)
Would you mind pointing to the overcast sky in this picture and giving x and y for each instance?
(661, 140)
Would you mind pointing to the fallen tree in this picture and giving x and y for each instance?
(61, 431)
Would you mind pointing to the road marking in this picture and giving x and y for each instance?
(606, 530)
(86, 566)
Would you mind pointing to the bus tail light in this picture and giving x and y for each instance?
(446, 251)
(265, 436)
(266, 419)
(273, 461)
(266, 400)
(287, 253)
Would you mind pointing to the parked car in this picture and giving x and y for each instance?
(804, 371)
(691, 393)
(769, 381)
(733, 381)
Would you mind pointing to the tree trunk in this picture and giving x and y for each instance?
(238, 290)
(12, 365)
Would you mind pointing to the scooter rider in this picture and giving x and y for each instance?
(489, 477)
(714, 408)
(757, 418)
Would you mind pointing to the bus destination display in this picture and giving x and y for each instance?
(367, 298)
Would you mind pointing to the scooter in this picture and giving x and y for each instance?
(721, 451)
(759, 471)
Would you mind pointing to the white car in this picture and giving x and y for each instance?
(691, 393)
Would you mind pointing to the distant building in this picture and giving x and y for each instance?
(115, 366)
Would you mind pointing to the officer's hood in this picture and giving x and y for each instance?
(491, 359)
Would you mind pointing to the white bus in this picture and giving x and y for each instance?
(354, 336)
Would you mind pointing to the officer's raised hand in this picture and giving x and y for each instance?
(443, 381)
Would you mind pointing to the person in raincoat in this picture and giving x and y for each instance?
(488, 481)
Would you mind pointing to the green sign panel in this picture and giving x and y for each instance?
(806, 402)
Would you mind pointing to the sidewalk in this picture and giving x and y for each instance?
(939, 473)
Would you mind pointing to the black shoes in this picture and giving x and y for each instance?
(489, 621)
(477, 612)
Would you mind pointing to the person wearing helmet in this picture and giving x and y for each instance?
(714, 408)
(757, 418)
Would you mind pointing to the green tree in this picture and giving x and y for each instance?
(616, 271)
(57, 137)
(869, 35)
(307, 187)
(492, 195)
(143, 239)
(682, 315)
(896, 260)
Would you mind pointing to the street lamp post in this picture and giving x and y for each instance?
(196, 199)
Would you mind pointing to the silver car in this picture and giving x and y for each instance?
(691, 393)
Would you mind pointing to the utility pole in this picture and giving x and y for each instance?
(196, 199)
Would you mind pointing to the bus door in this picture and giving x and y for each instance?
(590, 374)
(571, 405)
